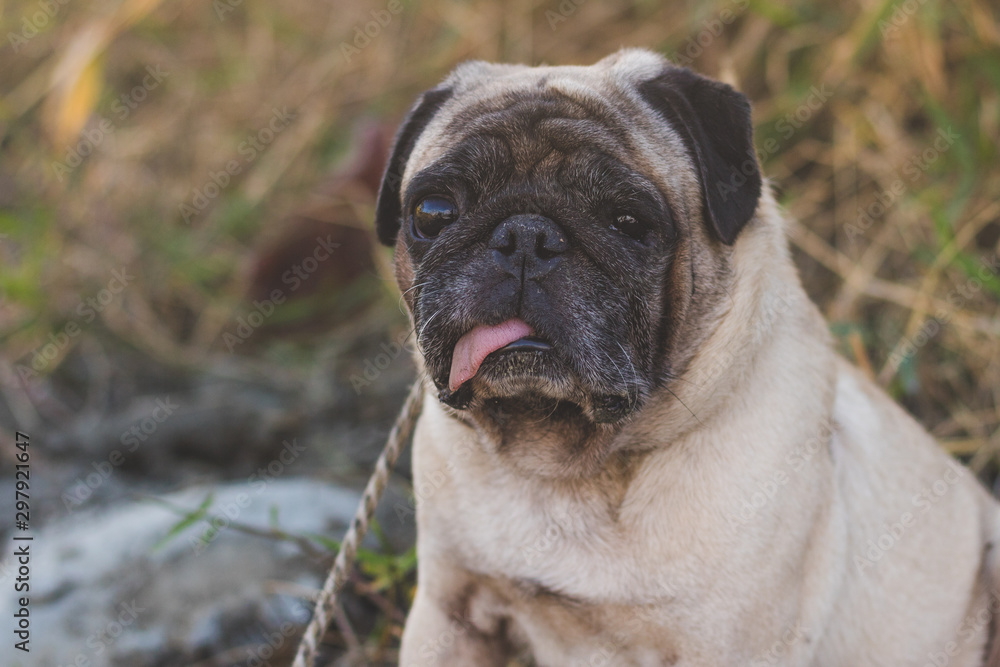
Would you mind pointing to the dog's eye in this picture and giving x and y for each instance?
(431, 215)
(629, 226)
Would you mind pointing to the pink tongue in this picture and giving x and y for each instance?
(478, 344)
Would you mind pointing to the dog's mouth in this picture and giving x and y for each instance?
(513, 362)
(488, 342)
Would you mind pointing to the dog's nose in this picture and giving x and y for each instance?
(530, 241)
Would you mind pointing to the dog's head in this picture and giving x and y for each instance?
(559, 230)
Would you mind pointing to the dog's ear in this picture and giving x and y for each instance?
(388, 213)
(714, 122)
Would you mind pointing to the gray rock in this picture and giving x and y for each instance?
(102, 594)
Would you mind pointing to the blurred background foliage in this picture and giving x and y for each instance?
(98, 156)
(134, 137)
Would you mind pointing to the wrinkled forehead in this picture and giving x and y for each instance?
(529, 117)
(526, 119)
(536, 135)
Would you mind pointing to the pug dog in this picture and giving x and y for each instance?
(638, 445)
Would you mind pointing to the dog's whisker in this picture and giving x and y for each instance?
(678, 378)
(684, 404)
(400, 304)
(424, 327)
(635, 373)
(617, 368)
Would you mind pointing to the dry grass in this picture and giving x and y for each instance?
(902, 287)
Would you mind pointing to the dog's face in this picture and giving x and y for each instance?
(550, 225)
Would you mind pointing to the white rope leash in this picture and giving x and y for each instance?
(327, 600)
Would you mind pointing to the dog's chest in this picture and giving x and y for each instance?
(573, 544)
(562, 547)
(573, 584)
(580, 570)
(633, 545)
